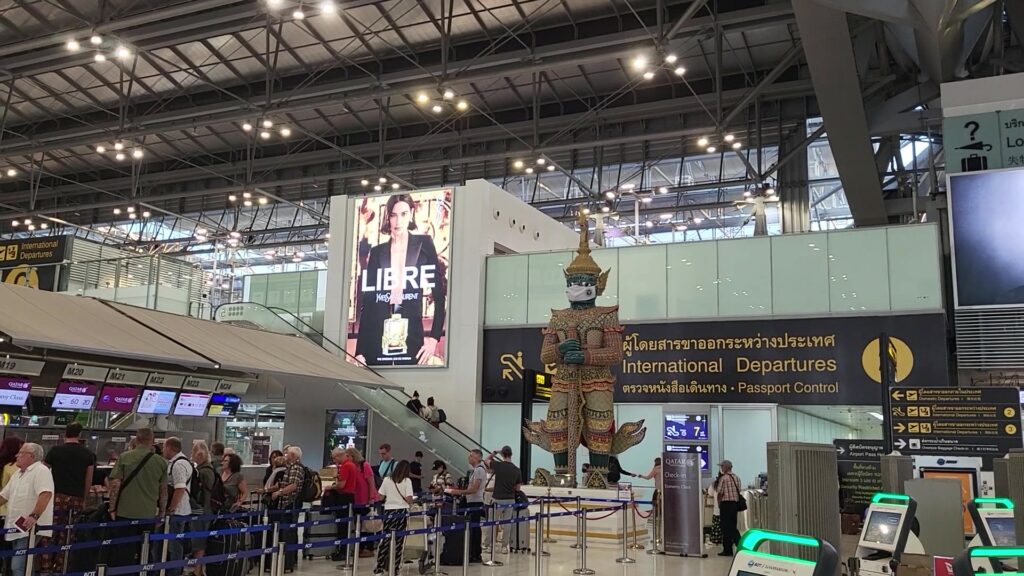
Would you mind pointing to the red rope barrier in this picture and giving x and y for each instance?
(641, 514)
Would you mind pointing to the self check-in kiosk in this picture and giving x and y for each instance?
(998, 556)
(749, 561)
(994, 526)
(886, 535)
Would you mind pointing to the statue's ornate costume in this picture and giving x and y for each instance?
(584, 342)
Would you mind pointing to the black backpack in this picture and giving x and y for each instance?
(198, 491)
(441, 416)
(312, 488)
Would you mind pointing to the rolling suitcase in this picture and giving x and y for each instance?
(226, 544)
(519, 540)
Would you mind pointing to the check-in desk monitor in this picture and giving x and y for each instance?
(885, 533)
(751, 561)
(994, 526)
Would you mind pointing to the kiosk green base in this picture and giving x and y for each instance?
(749, 561)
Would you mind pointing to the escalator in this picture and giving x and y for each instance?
(447, 442)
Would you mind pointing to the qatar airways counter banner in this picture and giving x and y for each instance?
(14, 391)
(398, 284)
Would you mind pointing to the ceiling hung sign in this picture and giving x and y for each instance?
(21, 366)
(169, 381)
(87, 373)
(232, 387)
(197, 384)
(131, 377)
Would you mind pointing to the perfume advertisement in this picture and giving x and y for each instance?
(399, 280)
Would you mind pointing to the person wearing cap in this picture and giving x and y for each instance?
(442, 478)
(727, 488)
(507, 481)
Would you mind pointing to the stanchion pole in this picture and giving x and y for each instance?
(280, 558)
(583, 547)
(265, 519)
(67, 535)
(540, 528)
(625, 559)
(101, 570)
(656, 544)
(539, 542)
(392, 545)
(348, 536)
(437, 545)
(29, 558)
(273, 557)
(144, 553)
(355, 551)
(494, 528)
(163, 555)
(633, 514)
(465, 550)
(579, 506)
(547, 537)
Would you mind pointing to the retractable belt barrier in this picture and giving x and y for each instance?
(156, 536)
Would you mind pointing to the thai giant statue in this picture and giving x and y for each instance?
(584, 342)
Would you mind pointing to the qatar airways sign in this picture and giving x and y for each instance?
(401, 268)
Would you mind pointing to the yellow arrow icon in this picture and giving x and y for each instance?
(897, 395)
(899, 428)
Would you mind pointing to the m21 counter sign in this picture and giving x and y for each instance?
(945, 421)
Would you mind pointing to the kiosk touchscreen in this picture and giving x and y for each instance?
(885, 533)
(965, 562)
(993, 526)
(749, 561)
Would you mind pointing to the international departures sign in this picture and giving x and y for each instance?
(803, 361)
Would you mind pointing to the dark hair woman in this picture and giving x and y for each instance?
(398, 495)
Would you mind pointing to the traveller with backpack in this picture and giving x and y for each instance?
(201, 498)
(288, 495)
(181, 476)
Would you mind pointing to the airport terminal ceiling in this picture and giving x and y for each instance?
(174, 126)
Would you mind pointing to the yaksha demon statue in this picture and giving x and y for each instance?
(584, 342)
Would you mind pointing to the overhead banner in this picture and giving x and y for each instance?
(32, 262)
(816, 361)
(398, 284)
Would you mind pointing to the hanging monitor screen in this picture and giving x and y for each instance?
(156, 401)
(686, 427)
(117, 399)
(190, 404)
(14, 391)
(223, 405)
(72, 395)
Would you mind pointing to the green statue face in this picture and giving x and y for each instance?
(581, 290)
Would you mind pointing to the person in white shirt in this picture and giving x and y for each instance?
(179, 478)
(398, 495)
(29, 499)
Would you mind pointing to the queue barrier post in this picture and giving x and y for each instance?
(348, 535)
(273, 557)
(437, 545)
(633, 515)
(539, 539)
(578, 544)
(656, 544)
(264, 518)
(541, 515)
(144, 552)
(392, 545)
(67, 536)
(625, 559)
(547, 521)
(494, 528)
(583, 570)
(465, 549)
(280, 558)
(355, 552)
(163, 555)
(101, 570)
(29, 558)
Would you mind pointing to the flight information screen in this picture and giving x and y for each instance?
(156, 401)
(190, 404)
(686, 427)
(74, 396)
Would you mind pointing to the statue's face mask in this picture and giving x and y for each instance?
(581, 288)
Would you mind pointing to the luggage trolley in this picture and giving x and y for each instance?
(749, 561)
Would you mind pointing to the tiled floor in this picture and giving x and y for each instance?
(561, 563)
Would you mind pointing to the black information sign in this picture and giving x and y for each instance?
(860, 472)
(945, 421)
(809, 361)
(31, 262)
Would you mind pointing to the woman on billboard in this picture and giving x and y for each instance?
(392, 288)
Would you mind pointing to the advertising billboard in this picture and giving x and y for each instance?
(985, 239)
(398, 284)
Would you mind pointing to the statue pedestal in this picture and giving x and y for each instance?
(603, 528)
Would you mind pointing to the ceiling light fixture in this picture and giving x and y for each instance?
(117, 211)
(377, 188)
(639, 63)
(268, 123)
(328, 7)
(541, 161)
(364, 182)
(663, 190)
(729, 137)
(247, 203)
(16, 223)
(671, 58)
(119, 156)
(462, 105)
(448, 94)
(697, 220)
(770, 191)
(551, 167)
(422, 98)
(702, 142)
(235, 234)
(711, 149)
(298, 14)
(73, 45)
(118, 146)
(11, 172)
(382, 180)
(436, 109)
(736, 145)
(137, 153)
(610, 195)
(95, 40)
(680, 71)
(394, 186)
(131, 209)
(518, 164)
(529, 170)
(232, 198)
(263, 200)
(648, 75)
(146, 214)
(122, 53)
(286, 132)
(246, 194)
(101, 149)
(44, 226)
(606, 209)
(99, 57)
(265, 135)
(133, 216)
(246, 127)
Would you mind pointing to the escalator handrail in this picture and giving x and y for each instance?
(288, 316)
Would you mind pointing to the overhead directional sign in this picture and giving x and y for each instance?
(860, 472)
(944, 421)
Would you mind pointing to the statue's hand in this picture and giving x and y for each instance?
(574, 357)
(570, 345)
